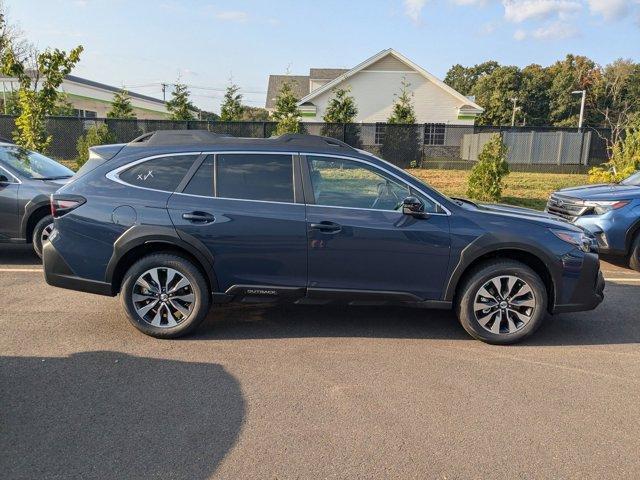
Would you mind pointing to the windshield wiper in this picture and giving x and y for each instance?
(464, 200)
(60, 177)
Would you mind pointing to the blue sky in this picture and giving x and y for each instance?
(143, 43)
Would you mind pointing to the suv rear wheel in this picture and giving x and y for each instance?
(165, 296)
(502, 302)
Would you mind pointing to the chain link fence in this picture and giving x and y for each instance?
(433, 145)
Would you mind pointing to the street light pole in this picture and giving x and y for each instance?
(584, 97)
(513, 115)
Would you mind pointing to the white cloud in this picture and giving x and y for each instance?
(413, 9)
(609, 9)
(487, 28)
(469, 2)
(518, 11)
(232, 16)
(81, 3)
(553, 31)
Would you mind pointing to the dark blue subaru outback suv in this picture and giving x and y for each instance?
(177, 220)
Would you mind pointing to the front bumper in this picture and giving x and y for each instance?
(587, 290)
(58, 274)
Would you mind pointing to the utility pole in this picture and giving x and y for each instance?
(584, 97)
(515, 108)
(164, 92)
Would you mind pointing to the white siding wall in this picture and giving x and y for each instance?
(374, 95)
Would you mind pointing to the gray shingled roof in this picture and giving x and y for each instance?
(104, 86)
(326, 73)
(299, 84)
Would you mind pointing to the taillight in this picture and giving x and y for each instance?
(63, 204)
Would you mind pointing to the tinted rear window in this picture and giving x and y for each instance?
(162, 173)
(255, 177)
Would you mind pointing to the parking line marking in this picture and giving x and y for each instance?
(622, 279)
(21, 270)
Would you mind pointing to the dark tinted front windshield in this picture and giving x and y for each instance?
(632, 180)
(32, 164)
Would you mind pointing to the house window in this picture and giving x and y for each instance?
(84, 113)
(381, 130)
(434, 133)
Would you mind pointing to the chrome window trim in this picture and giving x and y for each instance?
(402, 180)
(113, 175)
(16, 181)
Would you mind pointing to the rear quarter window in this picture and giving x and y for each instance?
(162, 173)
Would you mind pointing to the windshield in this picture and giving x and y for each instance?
(632, 180)
(33, 165)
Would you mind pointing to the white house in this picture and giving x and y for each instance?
(374, 85)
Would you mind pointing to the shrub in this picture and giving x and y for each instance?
(625, 159)
(485, 181)
(96, 135)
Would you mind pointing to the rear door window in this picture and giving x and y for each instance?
(251, 176)
(162, 173)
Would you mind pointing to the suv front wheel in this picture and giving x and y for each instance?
(165, 296)
(502, 302)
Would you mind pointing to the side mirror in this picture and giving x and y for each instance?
(4, 178)
(414, 207)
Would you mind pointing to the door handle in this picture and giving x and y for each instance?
(198, 217)
(326, 227)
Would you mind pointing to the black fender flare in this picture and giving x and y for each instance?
(492, 244)
(630, 235)
(139, 235)
(36, 203)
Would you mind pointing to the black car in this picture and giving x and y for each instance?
(27, 179)
(176, 221)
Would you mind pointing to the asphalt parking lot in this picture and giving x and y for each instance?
(304, 392)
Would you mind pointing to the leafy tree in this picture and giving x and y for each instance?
(254, 114)
(485, 181)
(494, 93)
(63, 107)
(533, 96)
(96, 135)
(37, 93)
(403, 111)
(10, 104)
(121, 106)
(180, 106)
(231, 110)
(341, 108)
(287, 113)
(401, 143)
(464, 79)
(573, 73)
(616, 97)
(625, 158)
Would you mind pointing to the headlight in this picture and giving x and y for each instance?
(600, 208)
(578, 239)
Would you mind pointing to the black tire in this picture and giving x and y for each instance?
(482, 274)
(39, 231)
(634, 253)
(197, 286)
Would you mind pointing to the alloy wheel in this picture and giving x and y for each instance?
(46, 233)
(504, 304)
(163, 297)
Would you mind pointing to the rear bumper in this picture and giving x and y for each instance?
(58, 274)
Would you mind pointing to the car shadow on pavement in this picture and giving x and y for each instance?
(616, 321)
(112, 415)
(18, 255)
